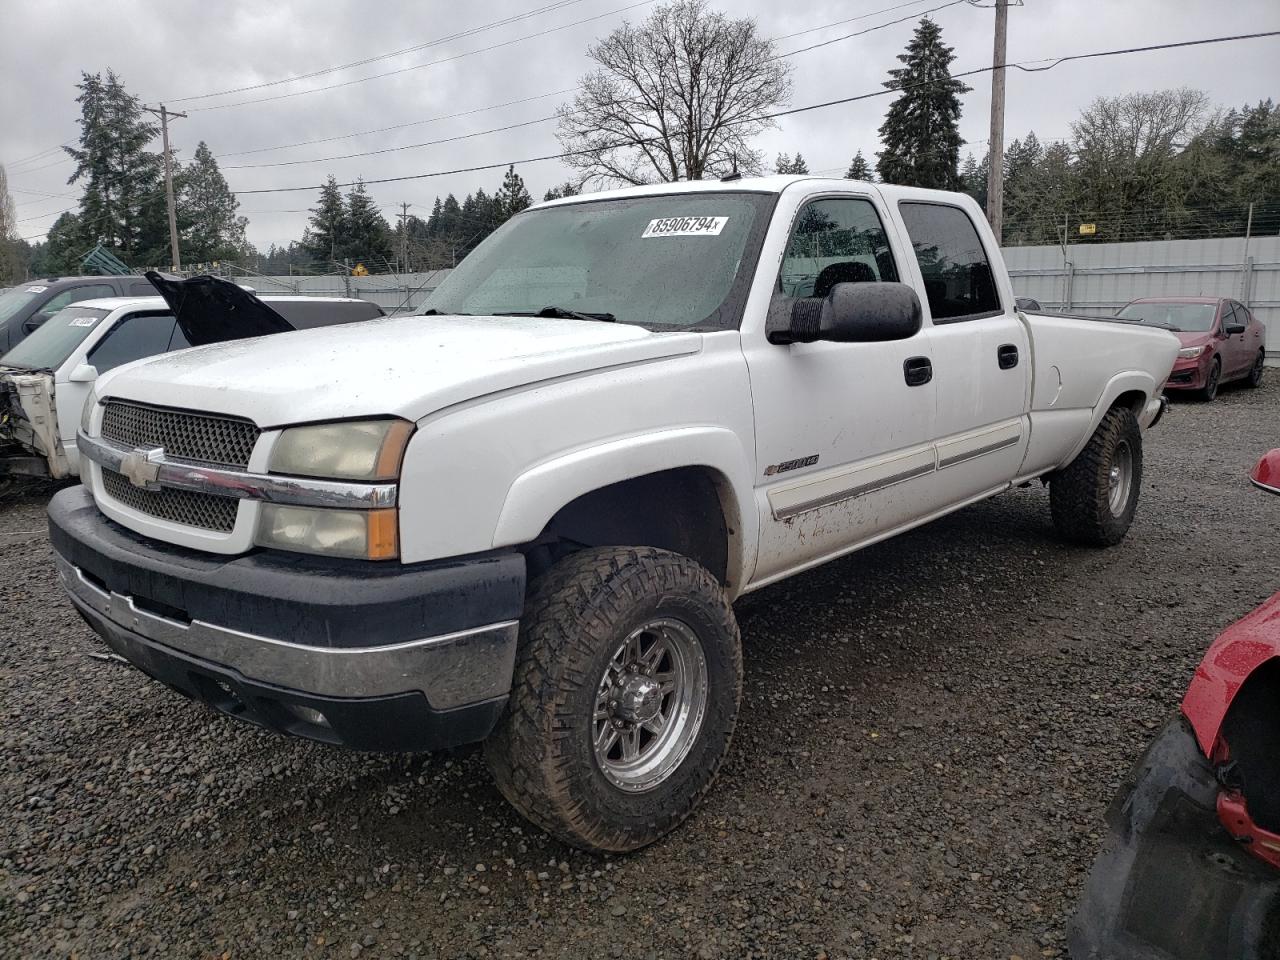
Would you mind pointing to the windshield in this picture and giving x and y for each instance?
(13, 302)
(51, 343)
(1190, 317)
(667, 262)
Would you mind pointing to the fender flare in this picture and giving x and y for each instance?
(1124, 382)
(539, 493)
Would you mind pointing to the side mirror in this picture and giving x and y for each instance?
(34, 322)
(1232, 329)
(853, 313)
(83, 373)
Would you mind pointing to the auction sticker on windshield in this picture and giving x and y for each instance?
(685, 227)
(83, 321)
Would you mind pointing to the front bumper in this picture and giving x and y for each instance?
(1171, 883)
(368, 655)
(1190, 374)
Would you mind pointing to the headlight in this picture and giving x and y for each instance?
(367, 450)
(1190, 353)
(367, 534)
(86, 414)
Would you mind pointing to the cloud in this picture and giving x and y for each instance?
(182, 49)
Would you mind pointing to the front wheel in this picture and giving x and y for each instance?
(625, 695)
(1210, 389)
(1255, 372)
(1094, 497)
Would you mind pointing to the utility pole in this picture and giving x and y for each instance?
(404, 237)
(164, 116)
(995, 161)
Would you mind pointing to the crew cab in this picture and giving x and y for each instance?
(523, 517)
(44, 380)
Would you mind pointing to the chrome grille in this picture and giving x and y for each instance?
(203, 437)
(201, 510)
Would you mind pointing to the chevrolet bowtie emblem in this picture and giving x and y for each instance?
(142, 467)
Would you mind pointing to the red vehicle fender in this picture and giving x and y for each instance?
(1239, 650)
(1267, 473)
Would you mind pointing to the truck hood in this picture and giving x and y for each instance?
(398, 366)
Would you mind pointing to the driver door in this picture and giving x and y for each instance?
(843, 430)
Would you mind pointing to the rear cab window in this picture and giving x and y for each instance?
(135, 336)
(958, 280)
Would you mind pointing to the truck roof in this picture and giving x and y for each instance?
(774, 184)
(114, 303)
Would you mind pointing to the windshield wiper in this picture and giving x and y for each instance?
(560, 313)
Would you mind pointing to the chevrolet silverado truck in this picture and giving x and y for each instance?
(522, 517)
(45, 379)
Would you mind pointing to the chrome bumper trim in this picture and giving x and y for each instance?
(452, 669)
(240, 484)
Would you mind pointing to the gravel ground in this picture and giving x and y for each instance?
(931, 731)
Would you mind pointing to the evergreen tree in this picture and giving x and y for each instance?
(327, 230)
(921, 132)
(123, 205)
(973, 177)
(859, 169)
(368, 238)
(513, 196)
(784, 164)
(207, 207)
(63, 247)
(565, 189)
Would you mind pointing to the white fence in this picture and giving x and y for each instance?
(1099, 278)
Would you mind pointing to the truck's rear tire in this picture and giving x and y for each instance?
(1094, 497)
(625, 696)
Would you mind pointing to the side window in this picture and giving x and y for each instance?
(957, 274)
(1229, 315)
(837, 240)
(134, 337)
(141, 288)
(75, 295)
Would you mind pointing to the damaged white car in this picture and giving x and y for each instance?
(45, 379)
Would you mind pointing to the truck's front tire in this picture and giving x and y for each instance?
(1093, 498)
(625, 696)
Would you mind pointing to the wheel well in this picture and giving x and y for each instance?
(687, 510)
(1251, 730)
(1134, 400)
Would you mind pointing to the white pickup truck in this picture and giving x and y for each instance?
(523, 516)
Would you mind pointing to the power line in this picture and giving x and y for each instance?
(429, 63)
(528, 123)
(897, 88)
(861, 16)
(471, 31)
(859, 33)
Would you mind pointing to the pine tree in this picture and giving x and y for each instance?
(921, 132)
(565, 189)
(328, 229)
(973, 177)
(859, 169)
(123, 205)
(513, 195)
(784, 164)
(368, 233)
(207, 208)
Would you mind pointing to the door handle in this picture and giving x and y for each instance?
(1007, 356)
(917, 371)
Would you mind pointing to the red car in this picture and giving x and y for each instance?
(1191, 867)
(1221, 340)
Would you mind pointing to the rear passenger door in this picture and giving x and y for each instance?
(981, 354)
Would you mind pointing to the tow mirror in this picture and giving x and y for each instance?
(853, 313)
(83, 373)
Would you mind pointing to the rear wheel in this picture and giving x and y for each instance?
(1094, 497)
(1255, 372)
(1210, 388)
(624, 700)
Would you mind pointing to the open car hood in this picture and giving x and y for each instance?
(211, 310)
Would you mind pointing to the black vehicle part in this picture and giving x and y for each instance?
(211, 310)
(1170, 882)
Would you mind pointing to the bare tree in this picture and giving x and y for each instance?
(677, 97)
(1142, 125)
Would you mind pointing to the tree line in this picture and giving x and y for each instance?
(680, 96)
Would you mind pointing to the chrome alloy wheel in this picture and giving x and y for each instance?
(650, 705)
(1120, 478)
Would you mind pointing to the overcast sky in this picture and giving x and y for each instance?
(172, 49)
